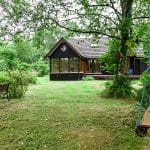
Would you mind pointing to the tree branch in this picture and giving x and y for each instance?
(99, 5)
(115, 10)
(105, 16)
(141, 17)
(83, 31)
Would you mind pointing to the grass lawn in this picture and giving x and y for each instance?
(68, 116)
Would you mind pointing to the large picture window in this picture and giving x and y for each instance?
(64, 64)
(74, 64)
(55, 65)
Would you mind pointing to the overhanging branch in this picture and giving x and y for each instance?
(141, 17)
(83, 31)
(115, 10)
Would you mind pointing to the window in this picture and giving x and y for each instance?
(55, 65)
(64, 64)
(74, 64)
(63, 48)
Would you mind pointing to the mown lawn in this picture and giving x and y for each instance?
(68, 116)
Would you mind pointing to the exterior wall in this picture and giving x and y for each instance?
(136, 66)
(82, 68)
(66, 76)
(59, 53)
(83, 65)
(69, 75)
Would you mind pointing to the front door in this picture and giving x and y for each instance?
(137, 66)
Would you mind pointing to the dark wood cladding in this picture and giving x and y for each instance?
(64, 54)
(83, 61)
(136, 66)
(65, 76)
(83, 65)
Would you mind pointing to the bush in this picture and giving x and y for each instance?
(87, 78)
(120, 87)
(32, 77)
(3, 65)
(4, 78)
(9, 56)
(18, 83)
(145, 79)
(24, 66)
(41, 67)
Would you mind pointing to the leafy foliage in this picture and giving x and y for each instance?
(3, 65)
(24, 49)
(41, 67)
(4, 78)
(8, 57)
(18, 83)
(32, 77)
(109, 60)
(119, 87)
(144, 93)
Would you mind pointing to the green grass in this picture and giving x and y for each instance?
(68, 116)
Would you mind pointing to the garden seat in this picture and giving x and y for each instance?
(4, 90)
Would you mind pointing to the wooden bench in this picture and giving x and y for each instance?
(144, 128)
(4, 90)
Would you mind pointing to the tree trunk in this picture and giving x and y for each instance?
(125, 31)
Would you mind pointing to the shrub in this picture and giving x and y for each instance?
(18, 83)
(24, 66)
(145, 97)
(87, 78)
(41, 67)
(9, 56)
(119, 87)
(108, 60)
(32, 77)
(145, 77)
(4, 77)
(3, 65)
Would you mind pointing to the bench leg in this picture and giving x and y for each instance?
(141, 131)
(7, 96)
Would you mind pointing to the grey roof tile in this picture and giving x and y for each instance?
(84, 47)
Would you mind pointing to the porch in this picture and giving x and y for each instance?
(78, 76)
(100, 76)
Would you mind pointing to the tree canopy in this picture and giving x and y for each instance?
(121, 19)
(102, 17)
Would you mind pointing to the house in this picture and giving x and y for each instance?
(72, 59)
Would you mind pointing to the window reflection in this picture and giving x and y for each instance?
(74, 64)
(64, 64)
(55, 65)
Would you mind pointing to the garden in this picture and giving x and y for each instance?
(69, 115)
(37, 113)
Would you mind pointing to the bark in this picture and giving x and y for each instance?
(125, 31)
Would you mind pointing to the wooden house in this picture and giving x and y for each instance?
(72, 59)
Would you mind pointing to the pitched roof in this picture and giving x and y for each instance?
(88, 50)
(84, 47)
